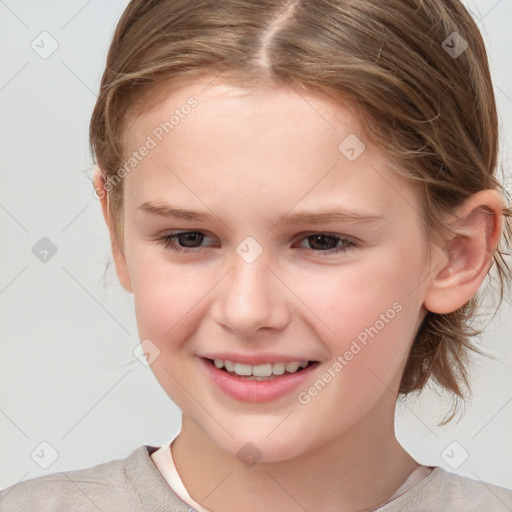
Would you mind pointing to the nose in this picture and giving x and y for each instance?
(251, 299)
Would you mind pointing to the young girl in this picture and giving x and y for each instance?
(302, 199)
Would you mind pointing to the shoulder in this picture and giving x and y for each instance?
(127, 485)
(442, 490)
(474, 495)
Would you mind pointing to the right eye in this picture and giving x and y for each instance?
(183, 241)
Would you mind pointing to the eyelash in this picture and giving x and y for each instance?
(169, 242)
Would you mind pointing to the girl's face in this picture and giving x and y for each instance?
(303, 246)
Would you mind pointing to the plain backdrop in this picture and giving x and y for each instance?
(72, 392)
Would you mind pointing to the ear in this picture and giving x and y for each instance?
(101, 189)
(467, 256)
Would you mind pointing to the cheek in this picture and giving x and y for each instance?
(371, 311)
(169, 307)
(167, 295)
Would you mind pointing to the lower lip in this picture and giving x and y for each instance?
(254, 390)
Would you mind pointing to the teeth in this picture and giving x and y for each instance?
(261, 370)
(278, 368)
(242, 369)
(292, 367)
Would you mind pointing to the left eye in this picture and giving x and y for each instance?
(328, 243)
(188, 241)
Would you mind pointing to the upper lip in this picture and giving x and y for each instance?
(255, 359)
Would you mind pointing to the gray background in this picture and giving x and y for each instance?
(68, 374)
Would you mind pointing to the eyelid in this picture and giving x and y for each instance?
(330, 233)
(177, 232)
(296, 236)
(299, 236)
(350, 243)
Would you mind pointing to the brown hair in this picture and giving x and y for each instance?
(432, 111)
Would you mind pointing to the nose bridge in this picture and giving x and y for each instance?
(251, 296)
(251, 277)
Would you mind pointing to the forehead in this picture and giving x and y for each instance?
(262, 146)
(231, 103)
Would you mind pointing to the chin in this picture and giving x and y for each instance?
(252, 447)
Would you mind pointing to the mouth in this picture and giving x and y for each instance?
(258, 383)
(260, 372)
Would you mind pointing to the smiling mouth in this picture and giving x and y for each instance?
(261, 372)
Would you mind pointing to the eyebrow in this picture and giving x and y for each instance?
(316, 217)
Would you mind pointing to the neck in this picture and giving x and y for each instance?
(356, 471)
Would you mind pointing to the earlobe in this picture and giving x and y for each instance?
(117, 253)
(464, 261)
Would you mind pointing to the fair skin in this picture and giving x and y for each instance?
(253, 158)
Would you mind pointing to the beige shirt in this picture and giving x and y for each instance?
(164, 462)
(134, 484)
